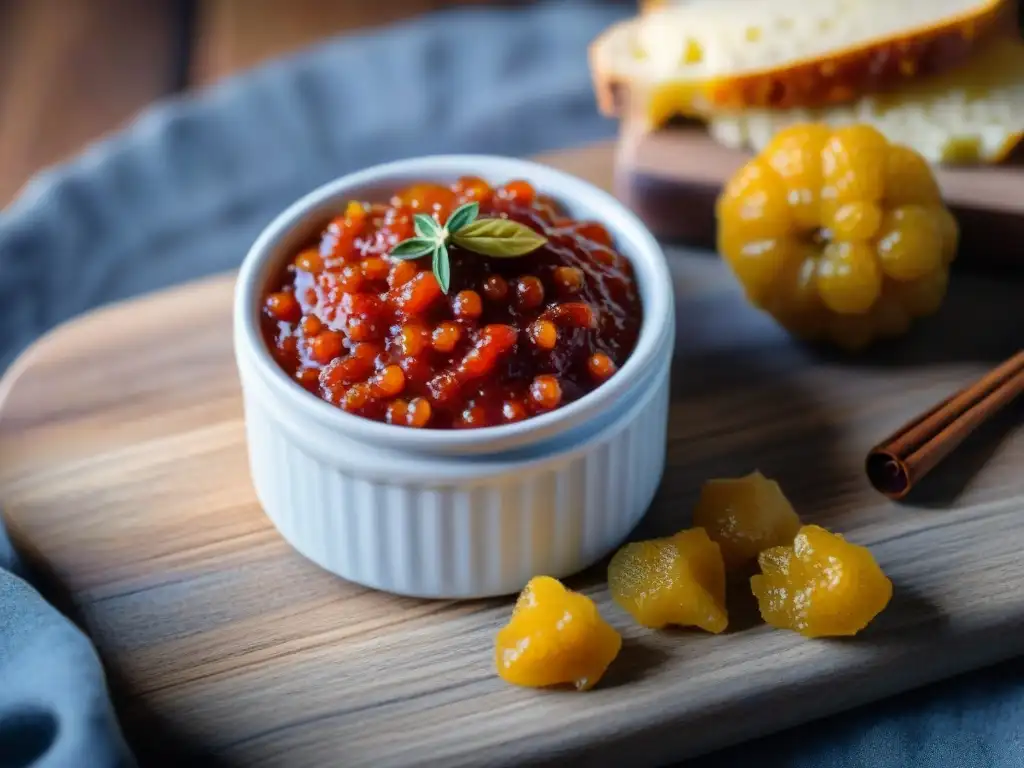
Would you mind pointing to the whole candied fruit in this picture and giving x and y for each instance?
(678, 580)
(821, 586)
(745, 515)
(555, 637)
(838, 234)
(469, 340)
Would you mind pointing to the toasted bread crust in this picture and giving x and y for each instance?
(1008, 148)
(839, 78)
(970, 115)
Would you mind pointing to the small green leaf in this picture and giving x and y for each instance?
(442, 269)
(413, 248)
(426, 226)
(462, 216)
(500, 238)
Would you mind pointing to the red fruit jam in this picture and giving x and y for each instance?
(512, 338)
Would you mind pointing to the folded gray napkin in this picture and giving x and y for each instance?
(54, 709)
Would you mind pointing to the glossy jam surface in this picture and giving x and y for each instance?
(513, 338)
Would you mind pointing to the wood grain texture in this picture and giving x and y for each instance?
(73, 70)
(237, 34)
(665, 173)
(124, 478)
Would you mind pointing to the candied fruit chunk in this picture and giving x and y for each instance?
(544, 334)
(412, 339)
(911, 246)
(311, 325)
(375, 268)
(569, 279)
(355, 216)
(519, 191)
(745, 515)
(853, 164)
(326, 346)
(309, 260)
(593, 231)
(816, 226)
(513, 411)
(419, 412)
(401, 273)
(755, 203)
(473, 416)
(821, 586)
(573, 314)
(397, 412)
(555, 637)
(546, 392)
(470, 188)
(389, 382)
(431, 198)
(351, 278)
(419, 293)
(446, 336)
(496, 288)
(529, 292)
(796, 158)
(467, 305)
(856, 221)
(849, 280)
(678, 580)
(284, 307)
(908, 179)
(600, 366)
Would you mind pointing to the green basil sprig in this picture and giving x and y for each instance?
(497, 238)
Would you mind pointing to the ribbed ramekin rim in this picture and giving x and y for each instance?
(640, 247)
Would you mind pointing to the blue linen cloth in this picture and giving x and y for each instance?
(54, 708)
(182, 194)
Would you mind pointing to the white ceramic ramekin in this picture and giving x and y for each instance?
(460, 513)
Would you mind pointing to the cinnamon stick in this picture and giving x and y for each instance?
(895, 466)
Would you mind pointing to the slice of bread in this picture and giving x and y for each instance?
(974, 114)
(692, 57)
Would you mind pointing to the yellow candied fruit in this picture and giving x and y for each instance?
(745, 516)
(678, 580)
(821, 586)
(555, 637)
(838, 234)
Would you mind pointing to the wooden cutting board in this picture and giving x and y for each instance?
(123, 477)
(671, 178)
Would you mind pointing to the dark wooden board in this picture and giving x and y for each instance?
(672, 177)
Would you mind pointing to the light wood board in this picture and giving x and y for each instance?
(672, 177)
(123, 478)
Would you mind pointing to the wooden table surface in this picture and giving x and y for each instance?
(69, 74)
(74, 70)
(127, 488)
